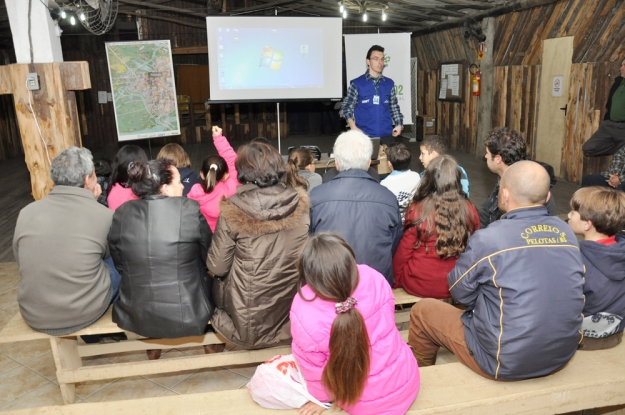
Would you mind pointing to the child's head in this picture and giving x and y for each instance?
(102, 167)
(175, 153)
(299, 159)
(123, 158)
(432, 147)
(214, 170)
(400, 156)
(441, 175)
(601, 208)
(328, 265)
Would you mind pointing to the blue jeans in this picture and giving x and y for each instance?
(116, 278)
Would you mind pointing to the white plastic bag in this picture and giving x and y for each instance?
(278, 384)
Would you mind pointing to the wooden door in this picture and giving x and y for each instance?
(554, 94)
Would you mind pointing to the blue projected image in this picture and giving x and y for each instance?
(259, 58)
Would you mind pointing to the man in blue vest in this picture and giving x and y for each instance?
(371, 104)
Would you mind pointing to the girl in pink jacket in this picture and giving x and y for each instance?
(219, 179)
(344, 336)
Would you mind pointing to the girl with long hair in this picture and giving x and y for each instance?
(344, 336)
(219, 179)
(438, 225)
(301, 169)
(119, 186)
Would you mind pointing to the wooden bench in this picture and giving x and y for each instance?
(68, 351)
(591, 380)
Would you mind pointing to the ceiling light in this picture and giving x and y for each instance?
(344, 14)
(383, 16)
(63, 15)
(341, 7)
(364, 17)
(82, 16)
(72, 20)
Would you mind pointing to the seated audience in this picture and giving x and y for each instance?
(176, 153)
(159, 244)
(260, 233)
(119, 189)
(356, 207)
(434, 146)
(68, 277)
(614, 177)
(521, 280)
(219, 179)
(504, 147)
(344, 336)
(302, 162)
(598, 214)
(437, 228)
(402, 181)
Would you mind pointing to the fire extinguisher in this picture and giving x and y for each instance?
(476, 83)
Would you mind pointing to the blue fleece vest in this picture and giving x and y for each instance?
(373, 120)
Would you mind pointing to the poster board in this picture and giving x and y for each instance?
(451, 81)
(144, 92)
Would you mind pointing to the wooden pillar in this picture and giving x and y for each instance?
(485, 104)
(51, 125)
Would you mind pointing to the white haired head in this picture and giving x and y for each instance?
(352, 150)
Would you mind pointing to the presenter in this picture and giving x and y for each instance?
(371, 104)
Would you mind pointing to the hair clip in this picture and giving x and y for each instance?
(213, 167)
(346, 305)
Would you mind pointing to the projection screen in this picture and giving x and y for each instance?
(274, 58)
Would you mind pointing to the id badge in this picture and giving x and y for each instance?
(376, 100)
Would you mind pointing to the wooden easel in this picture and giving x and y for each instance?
(53, 105)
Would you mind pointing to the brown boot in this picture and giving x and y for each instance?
(424, 359)
(214, 348)
(154, 354)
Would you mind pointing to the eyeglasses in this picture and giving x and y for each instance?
(377, 59)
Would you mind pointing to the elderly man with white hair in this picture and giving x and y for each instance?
(357, 207)
(60, 245)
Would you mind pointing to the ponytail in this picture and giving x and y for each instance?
(328, 265)
(213, 168)
(293, 179)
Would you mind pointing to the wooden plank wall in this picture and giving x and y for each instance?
(599, 46)
(10, 139)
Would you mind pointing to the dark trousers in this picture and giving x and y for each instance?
(607, 140)
(597, 179)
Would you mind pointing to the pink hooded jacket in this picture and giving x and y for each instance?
(119, 195)
(393, 381)
(209, 202)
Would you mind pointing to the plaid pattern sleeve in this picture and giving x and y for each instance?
(398, 118)
(349, 102)
(617, 165)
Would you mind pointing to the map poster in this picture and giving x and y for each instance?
(144, 92)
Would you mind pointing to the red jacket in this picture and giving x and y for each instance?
(421, 271)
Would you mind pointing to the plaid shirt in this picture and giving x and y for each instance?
(617, 166)
(351, 99)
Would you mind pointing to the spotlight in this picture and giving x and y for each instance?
(383, 16)
(364, 17)
(82, 16)
(344, 14)
(72, 20)
(63, 14)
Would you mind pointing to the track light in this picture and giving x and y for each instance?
(72, 20)
(63, 14)
(364, 17)
(82, 16)
(344, 14)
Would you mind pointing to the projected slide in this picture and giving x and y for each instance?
(273, 58)
(270, 58)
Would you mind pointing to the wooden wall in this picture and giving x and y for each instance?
(599, 46)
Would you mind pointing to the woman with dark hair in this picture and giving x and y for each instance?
(159, 244)
(438, 224)
(120, 190)
(344, 336)
(301, 169)
(219, 179)
(260, 232)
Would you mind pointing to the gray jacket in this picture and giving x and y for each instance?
(59, 244)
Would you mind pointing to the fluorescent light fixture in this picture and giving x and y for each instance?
(364, 17)
(72, 20)
(344, 14)
(63, 14)
(383, 16)
(341, 7)
(82, 16)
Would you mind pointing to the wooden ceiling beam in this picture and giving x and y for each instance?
(518, 5)
(428, 10)
(157, 7)
(166, 19)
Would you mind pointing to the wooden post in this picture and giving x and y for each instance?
(52, 125)
(485, 104)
